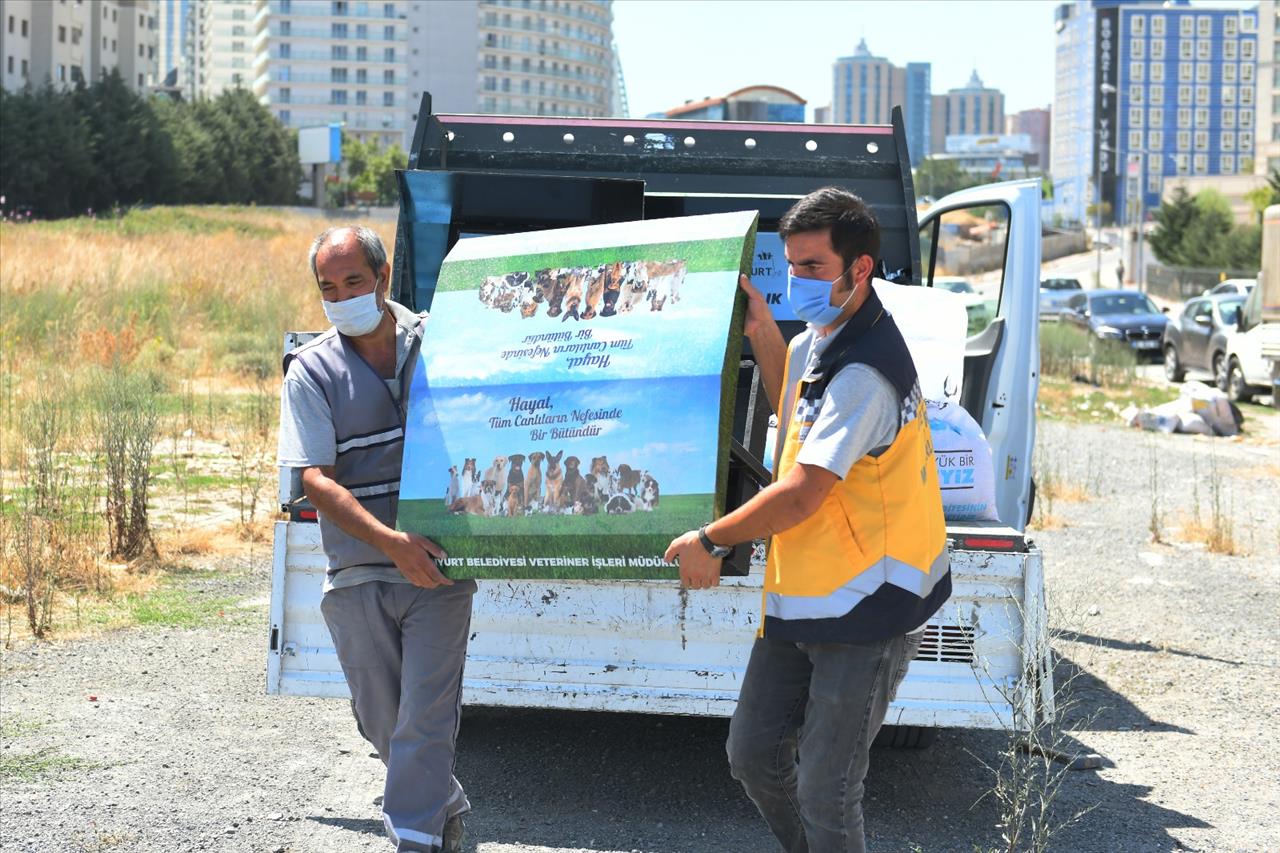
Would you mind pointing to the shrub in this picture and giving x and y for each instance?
(1073, 353)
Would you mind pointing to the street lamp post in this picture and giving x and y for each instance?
(1105, 89)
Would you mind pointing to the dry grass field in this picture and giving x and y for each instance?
(139, 377)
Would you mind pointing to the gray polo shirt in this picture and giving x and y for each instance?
(858, 414)
(307, 437)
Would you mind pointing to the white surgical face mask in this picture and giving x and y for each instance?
(356, 316)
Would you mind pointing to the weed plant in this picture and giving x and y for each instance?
(1041, 750)
(125, 425)
(1221, 538)
(1156, 522)
(251, 447)
(1216, 531)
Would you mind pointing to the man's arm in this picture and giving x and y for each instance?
(307, 442)
(778, 507)
(413, 555)
(767, 345)
(859, 415)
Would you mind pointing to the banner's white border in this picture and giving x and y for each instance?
(680, 229)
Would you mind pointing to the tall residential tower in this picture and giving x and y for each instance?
(1144, 91)
(323, 61)
(866, 88)
(527, 57)
(971, 110)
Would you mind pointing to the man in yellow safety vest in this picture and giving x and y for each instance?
(857, 559)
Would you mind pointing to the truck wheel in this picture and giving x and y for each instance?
(1173, 369)
(1237, 389)
(905, 737)
(1219, 367)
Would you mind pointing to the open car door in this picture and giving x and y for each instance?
(989, 238)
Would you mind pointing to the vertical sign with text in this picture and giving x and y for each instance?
(1106, 104)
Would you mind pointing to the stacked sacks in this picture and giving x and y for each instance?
(1199, 409)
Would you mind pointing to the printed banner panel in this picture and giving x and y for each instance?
(569, 413)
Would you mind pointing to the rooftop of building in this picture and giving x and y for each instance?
(736, 95)
(863, 53)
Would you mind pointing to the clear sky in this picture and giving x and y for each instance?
(678, 50)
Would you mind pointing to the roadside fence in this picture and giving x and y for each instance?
(1179, 284)
(962, 257)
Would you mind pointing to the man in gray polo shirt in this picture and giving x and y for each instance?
(399, 625)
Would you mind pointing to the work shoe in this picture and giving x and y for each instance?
(454, 832)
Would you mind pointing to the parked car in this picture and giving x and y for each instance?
(1197, 340)
(953, 284)
(976, 307)
(1250, 347)
(1241, 286)
(1054, 293)
(1119, 315)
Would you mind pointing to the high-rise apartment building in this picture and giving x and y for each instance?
(866, 88)
(971, 110)
(324, 61)
(62, 41)
(1266, 156)
(365, 63)
(171, 24)
(1035, 123)
(527, 57)
(222, 46)
(1144, 91)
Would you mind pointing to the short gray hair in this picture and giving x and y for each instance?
(375, 254)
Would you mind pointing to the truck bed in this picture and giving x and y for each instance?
(650, 647)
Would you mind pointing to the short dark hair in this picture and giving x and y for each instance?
(854, 230)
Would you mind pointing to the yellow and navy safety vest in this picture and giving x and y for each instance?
(872, 562)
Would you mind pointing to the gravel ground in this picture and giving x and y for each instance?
(162, 739)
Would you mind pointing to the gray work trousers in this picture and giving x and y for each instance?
(402, 649)
(800, 738)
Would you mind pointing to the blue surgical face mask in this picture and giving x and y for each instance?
(810, 299)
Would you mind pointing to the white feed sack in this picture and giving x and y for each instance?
(965, 472)
(934, 325)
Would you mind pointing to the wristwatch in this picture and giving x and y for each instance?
(717, 551)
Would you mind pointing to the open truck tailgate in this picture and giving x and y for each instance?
(649, 647)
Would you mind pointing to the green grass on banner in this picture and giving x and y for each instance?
(636, 534)
(698, 255)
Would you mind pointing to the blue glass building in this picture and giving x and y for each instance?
(1146, 91)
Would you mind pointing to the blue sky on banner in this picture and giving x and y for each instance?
(670, 440)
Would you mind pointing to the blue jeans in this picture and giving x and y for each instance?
(800, 738)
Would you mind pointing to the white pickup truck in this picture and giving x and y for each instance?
(649, 646)
(1251, 364)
